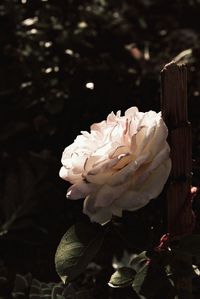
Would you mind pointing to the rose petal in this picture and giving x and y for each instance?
(151, 188)
(143, 172)
(99, 215)
(128, 171)
(159, 138)
(131, 112)
(107, 194)
(100, 174)
(80, 190)
(143, 137)
(119, 151)
(68, 175)
(116, 210)
(112, 118)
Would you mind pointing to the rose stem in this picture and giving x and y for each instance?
(180, 217)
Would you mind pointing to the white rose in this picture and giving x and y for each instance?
(121, 164)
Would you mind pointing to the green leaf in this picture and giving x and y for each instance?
(123, 277)
(138, 262)
(56, 291)
(140, 278)
(152, 280)
(190, 245)
(77, 248)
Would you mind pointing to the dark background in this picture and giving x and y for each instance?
(49, 51)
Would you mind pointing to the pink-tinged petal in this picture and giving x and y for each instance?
(101, 172)
(151, 188)
(103, 166)
(112, 118)
(107, 194)
(133, 144)
(149, 119)
(132, 129)
(158, 139)
(131, 112)
(105, 149)
(146, 169)
(117, 133)
(99, 178)
(73, 156)
(78, 163)
(119, 151)
(66, 155)
(80, 190)
(118, 113)
(85, 134)
(150, 139)
(124, 159)
(68, 175)
(154, 120)
(89, 162)
(98, 126)
(63, 173)
(99, 215)
(128, 171)
(143, 137)
(158, 159)
(116, 210)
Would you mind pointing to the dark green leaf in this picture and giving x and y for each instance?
(123, 277)
(57, 290)
(138, 262)
(77, 248)
(152, 280)
(139, 279)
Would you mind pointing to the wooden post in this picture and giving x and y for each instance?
(180, 218)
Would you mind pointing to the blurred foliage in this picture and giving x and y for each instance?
(50, 51)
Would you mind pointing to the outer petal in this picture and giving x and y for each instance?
(143, 137)
(158, 139)
(112, 118)
(131, 112)
(68, 175)
(151, 188)
(145, 170)
(103, 171)
(150, 139)
(116, 210)
(80, 190)
(107, 194)
(99, 215)
(128, 171)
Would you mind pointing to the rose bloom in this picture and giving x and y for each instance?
(121, 164)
